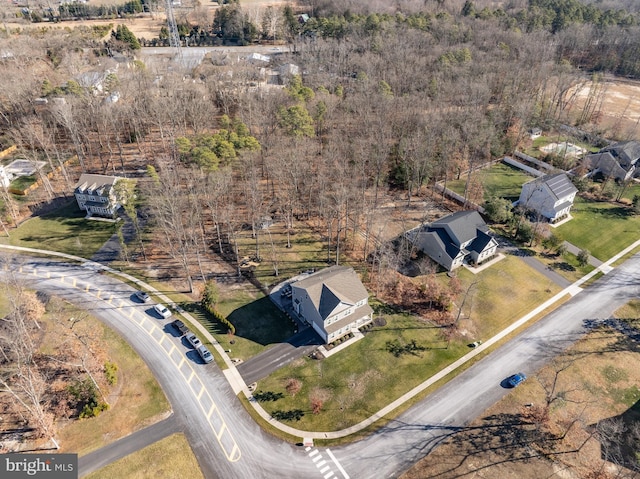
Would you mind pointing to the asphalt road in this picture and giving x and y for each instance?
(226, 441)
(228, 444)
(415, 433)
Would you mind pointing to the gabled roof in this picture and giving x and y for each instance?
(333, 289)
(98, 183)
(559, 185)
(626, 152)
(462, 226)
(436, 244)
(481, 242)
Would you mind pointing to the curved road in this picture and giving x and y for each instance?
(228, 444)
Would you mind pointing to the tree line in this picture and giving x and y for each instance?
(393, 106)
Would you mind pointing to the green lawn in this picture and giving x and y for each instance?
(169, 458)
(600, 227)
(363, 378)
(65, 230)
(500, 180)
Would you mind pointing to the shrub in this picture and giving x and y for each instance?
(111, 373)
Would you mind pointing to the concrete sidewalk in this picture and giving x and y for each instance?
(238, 385)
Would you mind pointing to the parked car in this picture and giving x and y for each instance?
(204, 353)
(143, 296)
(162, 310)
(180, 326)
(516, 379)
(193, 340)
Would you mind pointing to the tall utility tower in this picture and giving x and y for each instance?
(174, 38)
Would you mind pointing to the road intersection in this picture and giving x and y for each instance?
(229, 444)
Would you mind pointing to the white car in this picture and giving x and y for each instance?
(204, 353)
(162, 310)
(193, 340)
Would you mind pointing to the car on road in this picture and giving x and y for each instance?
(143, 296)
(162, 310)
(204, 353)
(180, 326)
(516, 379)
(193, 340)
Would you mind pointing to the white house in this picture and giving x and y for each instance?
(333, 301)
(550, 196)
(96, 195)
(5, 177)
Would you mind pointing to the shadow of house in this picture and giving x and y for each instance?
(619, 438)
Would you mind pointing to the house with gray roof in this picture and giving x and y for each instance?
(619, 161)
(454, 239)
(96, 195)
(333, 301)
(550, 196)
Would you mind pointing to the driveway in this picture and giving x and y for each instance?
(262, 365)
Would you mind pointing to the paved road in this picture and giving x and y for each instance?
(415, 433)
(228, 444)
(225, 439)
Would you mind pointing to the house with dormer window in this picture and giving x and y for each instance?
(333, 301)
(96, 195)
(454, 239)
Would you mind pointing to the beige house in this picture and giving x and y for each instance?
(96, 195)
(333, 301)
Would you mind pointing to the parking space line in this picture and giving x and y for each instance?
(222, 430)
(202, 389)
(213, 408)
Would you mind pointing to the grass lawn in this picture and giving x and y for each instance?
(65, 230)
(504, 293)
(501, 180)
(306, 252)
(566, 265)
(169, 458)
(363, 378)
(602, 228)
(138, 403)
(22, 182)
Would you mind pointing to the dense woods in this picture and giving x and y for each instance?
(391, 99)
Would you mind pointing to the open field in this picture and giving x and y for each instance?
(597, 385)
(168, 458)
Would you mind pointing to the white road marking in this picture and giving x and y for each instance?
(333, 458)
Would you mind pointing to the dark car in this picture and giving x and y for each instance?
(516, 379)
(180, 326)
(142, 296)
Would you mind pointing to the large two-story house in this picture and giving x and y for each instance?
(455, 238)
(550, 196)
(95, 194)
(619, 161)
(333, 301)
